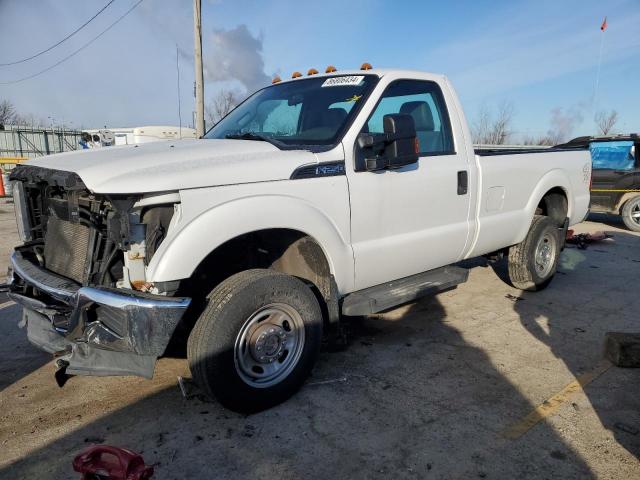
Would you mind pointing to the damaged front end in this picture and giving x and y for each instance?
(80, 274)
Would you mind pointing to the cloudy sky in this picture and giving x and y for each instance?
(539, 55)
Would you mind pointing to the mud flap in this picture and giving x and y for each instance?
(563, 233)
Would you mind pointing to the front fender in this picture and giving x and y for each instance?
(194, 238)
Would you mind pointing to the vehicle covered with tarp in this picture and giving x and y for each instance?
(615, 184)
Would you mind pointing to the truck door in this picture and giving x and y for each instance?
(614, 173)
(415, 218)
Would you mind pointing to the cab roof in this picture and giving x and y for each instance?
(379, 72)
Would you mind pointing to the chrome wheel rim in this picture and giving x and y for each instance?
(635, 213)
(269, 345)
(545, 254)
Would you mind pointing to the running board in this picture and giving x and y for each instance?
(388, 295)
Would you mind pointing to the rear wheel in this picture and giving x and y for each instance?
(533, 263)
(631, 214)
(256, 341)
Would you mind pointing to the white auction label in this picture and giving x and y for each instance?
(346, 80)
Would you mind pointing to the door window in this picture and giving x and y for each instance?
(422, 100)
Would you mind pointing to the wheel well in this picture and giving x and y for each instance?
(554, 204)
(284, 250)
(624, 199)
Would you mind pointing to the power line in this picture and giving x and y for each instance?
(11, 82)
(61, 41)
(595, 91)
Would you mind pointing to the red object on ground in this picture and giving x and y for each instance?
(583, 239)
(2, 192)
(597, 236)
(111, 463)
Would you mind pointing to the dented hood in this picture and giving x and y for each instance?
(175, 165)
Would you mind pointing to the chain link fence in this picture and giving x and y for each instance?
(17, 141)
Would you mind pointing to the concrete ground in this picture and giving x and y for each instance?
(437, 389)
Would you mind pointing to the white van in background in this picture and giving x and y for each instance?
(135, 135)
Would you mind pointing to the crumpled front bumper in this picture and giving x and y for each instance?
(93, 330)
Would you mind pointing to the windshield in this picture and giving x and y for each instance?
(306, 112)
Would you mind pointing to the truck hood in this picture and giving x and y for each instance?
(175, 165)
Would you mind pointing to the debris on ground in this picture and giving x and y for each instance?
(190, 391)
(558, 455)
(94, 440)
(188, 388)
(513, 297)
(111, 463)
(582, 240)
(332, 380)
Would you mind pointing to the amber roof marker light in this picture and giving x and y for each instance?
(276, 79)
(296, 75)
(331, 69)
(312, 71)
(366, 66)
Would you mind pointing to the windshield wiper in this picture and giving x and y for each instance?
(255, 136)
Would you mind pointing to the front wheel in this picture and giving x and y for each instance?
(631, 214)
(256, 341)
(533, 263)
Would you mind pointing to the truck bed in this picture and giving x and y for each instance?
(512, 182)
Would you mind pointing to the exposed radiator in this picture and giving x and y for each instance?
(66, 248)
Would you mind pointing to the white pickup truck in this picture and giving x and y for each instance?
(346, 193)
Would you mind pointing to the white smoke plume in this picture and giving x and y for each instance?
(235, 55)
(565, 121)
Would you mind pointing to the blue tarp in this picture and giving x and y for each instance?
(612, 155)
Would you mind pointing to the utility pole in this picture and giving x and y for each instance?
(178, 85)
(199, 83)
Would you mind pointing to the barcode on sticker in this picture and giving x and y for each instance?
(341, 81)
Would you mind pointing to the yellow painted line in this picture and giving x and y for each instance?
(6, 304)
(550, 406)
(12, 160)
(620, 190)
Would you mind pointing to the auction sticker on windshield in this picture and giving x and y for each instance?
(341, 81)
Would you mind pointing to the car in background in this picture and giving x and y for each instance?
(615, 187)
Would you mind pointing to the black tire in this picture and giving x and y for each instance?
(630, 210)
(524, 272)
(211, 349)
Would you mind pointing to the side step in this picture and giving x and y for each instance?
(388, 295)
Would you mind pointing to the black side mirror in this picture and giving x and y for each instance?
(395, 148)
